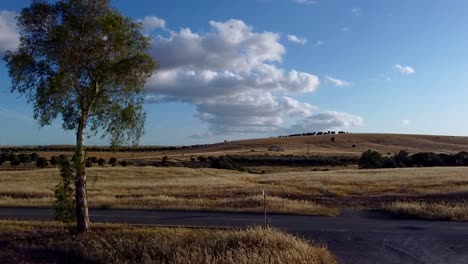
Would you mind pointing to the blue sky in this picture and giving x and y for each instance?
(241, 69)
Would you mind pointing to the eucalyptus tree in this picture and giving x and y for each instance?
(84, 63)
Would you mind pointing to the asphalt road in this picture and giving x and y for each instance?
(354, 236)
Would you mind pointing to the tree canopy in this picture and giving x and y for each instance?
(85, 63)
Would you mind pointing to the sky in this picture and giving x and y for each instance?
(261, 68)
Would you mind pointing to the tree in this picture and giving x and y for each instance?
(94, 160)
(371, 160)
(42, 162)
(83, 62)
(14, 161)
(113, 161)
(34, 156)
(101, 162)
(54, 161)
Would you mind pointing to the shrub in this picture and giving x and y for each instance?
(42, 162)
(164, 161)
(124, 163)
(113, 161)
(89, 163)
(15, 161)
(101, 162)
(34, 156)
(54, 160)
(371, 160)
(94, 160)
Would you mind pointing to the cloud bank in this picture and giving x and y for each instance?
(232, 75)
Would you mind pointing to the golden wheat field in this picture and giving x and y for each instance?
(311, 192)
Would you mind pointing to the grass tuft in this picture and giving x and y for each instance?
(107, 243)
(424, 210)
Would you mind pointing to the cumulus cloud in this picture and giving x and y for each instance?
(329, 120)
(9, 35)
(297, 40)
(356, 11)
(232, 76)
(405, 122)
(305, 2)
(406, 70)
(151, 23)
(336, 82)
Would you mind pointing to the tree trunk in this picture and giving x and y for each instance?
(82, 216)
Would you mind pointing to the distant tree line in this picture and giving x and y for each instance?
(97, 149)
(374, 160)
(15, 160)
(315, 134)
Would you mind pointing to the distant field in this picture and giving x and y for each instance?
(306, 145)
(312, 192)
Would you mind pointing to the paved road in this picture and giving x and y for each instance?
(355, 236)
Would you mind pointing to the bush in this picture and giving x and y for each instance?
(42, 162)
(371, 160)
(101, 162)
(113, 161)
(34, 157)
(94, 160)
(15, 161)
(54, 160)
(123, 163)
(89, 163)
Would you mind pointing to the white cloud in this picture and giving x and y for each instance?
(319, 43)
(356, 11)
(336, 82)
(405, 122)
(151, 23)
(406, 70)
(329, 120)
(305, 2)
(9, 35)
(297, 40)
(232, 76)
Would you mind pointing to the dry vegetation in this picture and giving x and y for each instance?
(312, 192)
(424, 210)
(35, 242)
(314, 145)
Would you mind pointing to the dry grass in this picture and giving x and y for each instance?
(210, 189)
(424, 210)
(157, 188)
(47, 243)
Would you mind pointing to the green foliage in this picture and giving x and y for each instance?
(42, 162)
(371, 160)
(75, 65)
(64, 194)
(86, 64)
